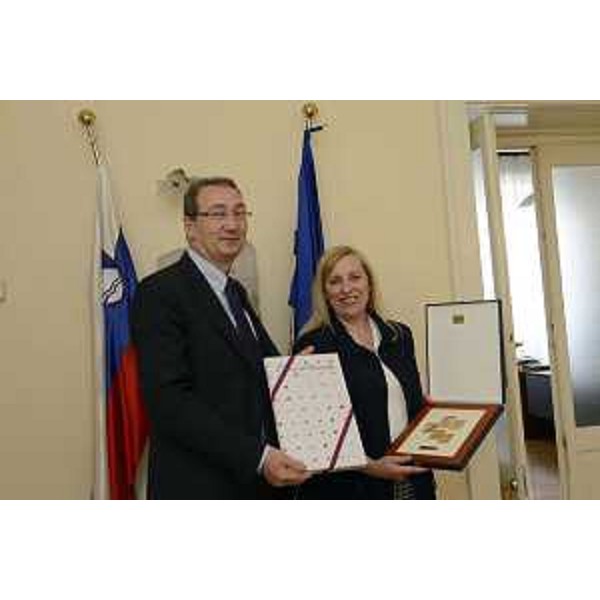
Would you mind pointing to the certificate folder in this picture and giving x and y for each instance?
(313, 413)
(466, 385)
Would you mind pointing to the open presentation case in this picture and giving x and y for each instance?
(465, 370)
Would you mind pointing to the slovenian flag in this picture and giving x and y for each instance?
(121, 422)
(308, 239)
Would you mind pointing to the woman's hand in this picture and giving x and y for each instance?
(392, 468)
(306, 351)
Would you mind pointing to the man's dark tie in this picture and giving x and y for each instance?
(235, 294)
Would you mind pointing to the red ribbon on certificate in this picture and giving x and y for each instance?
(282, 376)
(340, 440)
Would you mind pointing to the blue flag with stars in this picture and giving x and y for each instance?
(308, 239)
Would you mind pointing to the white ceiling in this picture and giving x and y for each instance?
(540, 114)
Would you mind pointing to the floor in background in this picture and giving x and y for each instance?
(543, 469)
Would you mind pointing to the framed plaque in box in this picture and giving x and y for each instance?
(445, 435)
(313, 413)
(466, 385)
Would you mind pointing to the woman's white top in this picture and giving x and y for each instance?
(397, 415)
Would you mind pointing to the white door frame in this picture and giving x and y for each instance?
(483, 136)
(572, 442)
(481, 479)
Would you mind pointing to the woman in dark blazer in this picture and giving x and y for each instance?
(378, 361)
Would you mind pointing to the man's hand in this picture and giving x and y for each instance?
(280, 470)
(393, 468)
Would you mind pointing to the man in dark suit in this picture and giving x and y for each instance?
(200, 347)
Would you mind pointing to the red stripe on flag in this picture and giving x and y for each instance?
(126, 428)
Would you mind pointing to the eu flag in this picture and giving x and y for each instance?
(308, 239)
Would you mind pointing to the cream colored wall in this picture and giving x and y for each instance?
(381, 183)
(382, 189)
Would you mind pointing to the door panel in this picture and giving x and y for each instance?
(577, 208)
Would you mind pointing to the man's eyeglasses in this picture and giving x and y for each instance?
(218, 216)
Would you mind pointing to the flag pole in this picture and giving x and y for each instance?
(87, 118)
(100, 485)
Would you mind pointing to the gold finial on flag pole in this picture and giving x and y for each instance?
(310, 110)
(87, 118)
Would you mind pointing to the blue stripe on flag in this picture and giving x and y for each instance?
(116, 303)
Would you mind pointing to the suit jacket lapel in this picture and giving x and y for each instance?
(216, 315)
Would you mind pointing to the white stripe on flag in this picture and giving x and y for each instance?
(105, 224)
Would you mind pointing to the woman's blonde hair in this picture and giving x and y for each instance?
(321, 309)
